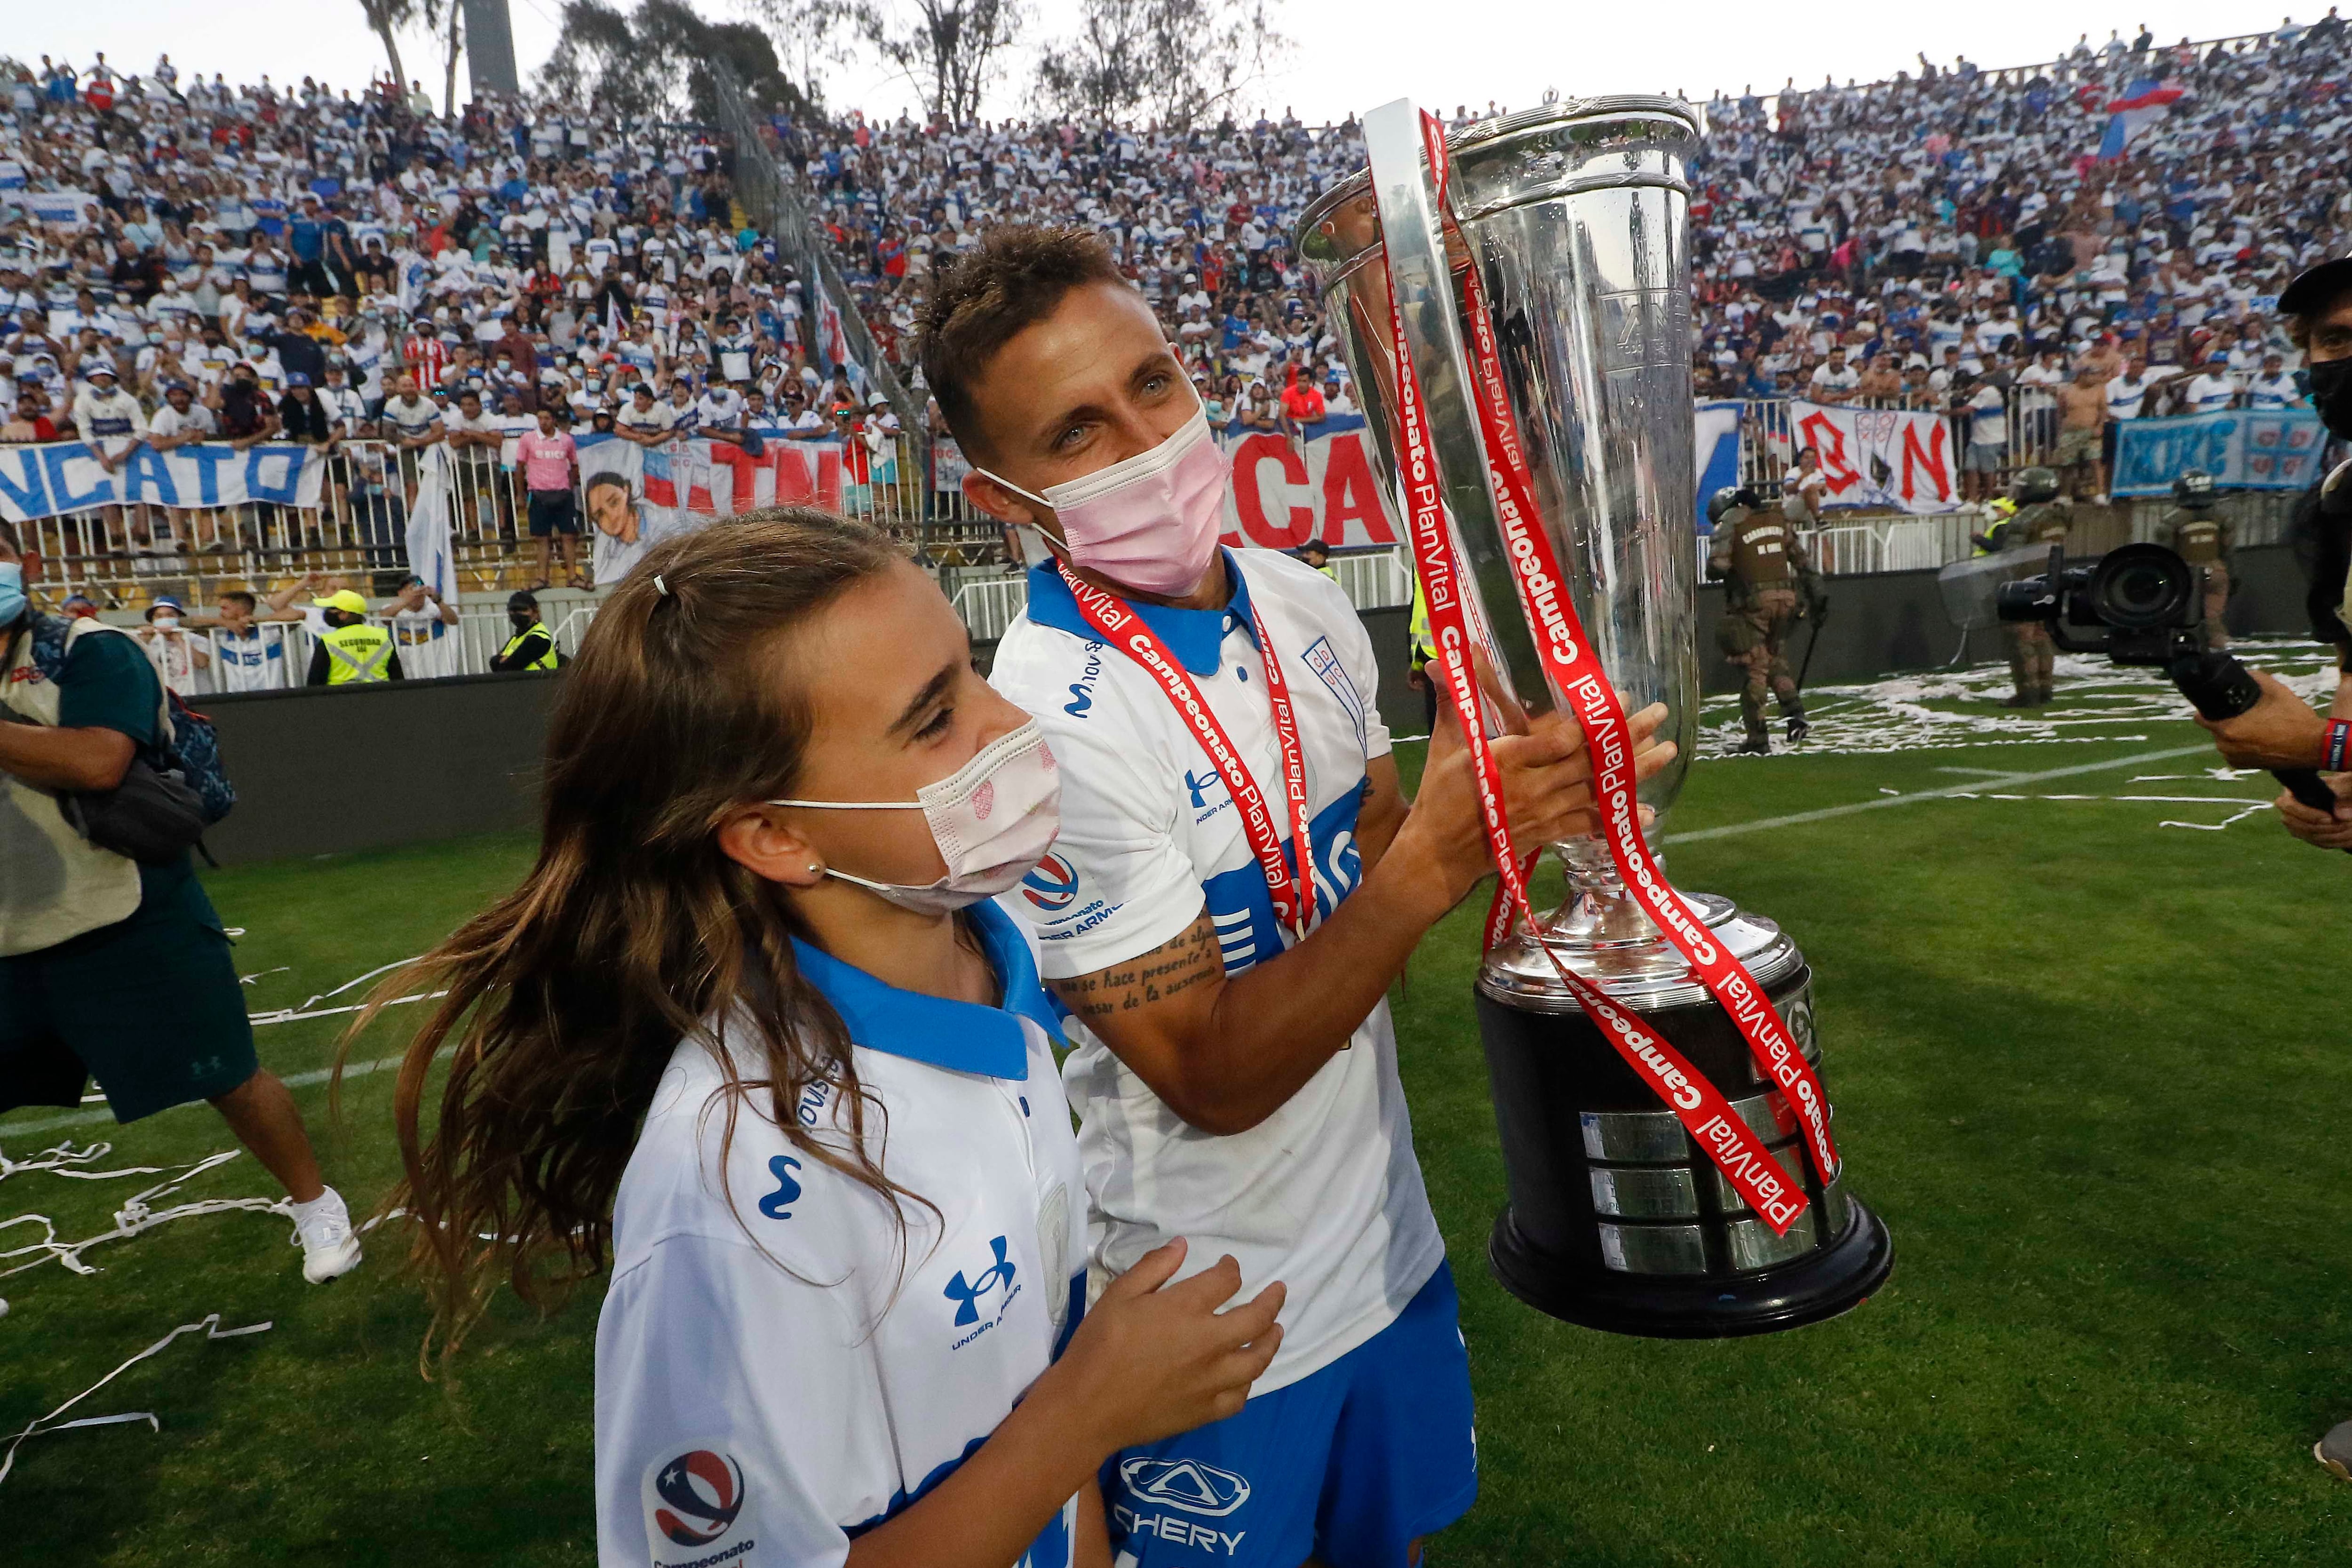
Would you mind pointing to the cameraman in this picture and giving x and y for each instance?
(2282, 730)
(110, 968)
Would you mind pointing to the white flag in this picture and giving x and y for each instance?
(430, 554)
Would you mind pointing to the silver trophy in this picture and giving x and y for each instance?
(1575, 215)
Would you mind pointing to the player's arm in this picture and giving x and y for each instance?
(1225, 1053)
(1382, 812)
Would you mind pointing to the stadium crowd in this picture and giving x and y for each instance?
(188, 259)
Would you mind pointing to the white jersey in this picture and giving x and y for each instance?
(775, 1370)
(110, 420)
(1325, 1193)
(254, 662)
(173, 655)
(427, 644)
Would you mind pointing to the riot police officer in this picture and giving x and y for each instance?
(2043, 518)
(2203, 537)
(1769, 584)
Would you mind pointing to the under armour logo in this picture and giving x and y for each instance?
(1197, 783)
(967, 1296)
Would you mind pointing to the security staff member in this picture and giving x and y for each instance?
(2203, 538)
(2042, 518)
(1424, 651)
(532, 646)
(2002, 508)
(352, 650)
(1769, 584)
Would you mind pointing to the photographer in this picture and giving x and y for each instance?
(110, 967)
(2282, 730)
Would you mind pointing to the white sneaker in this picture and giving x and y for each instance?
(330, 1246)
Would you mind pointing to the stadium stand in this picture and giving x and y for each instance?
(1913, 244)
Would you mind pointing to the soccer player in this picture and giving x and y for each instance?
(753, 1030)
(1236, 1074)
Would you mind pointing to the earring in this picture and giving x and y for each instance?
(814, 868)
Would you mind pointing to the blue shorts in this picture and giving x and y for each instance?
(1348, 1466)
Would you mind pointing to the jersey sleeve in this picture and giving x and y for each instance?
(710, 1433)
(1117, 884)
(107, 683)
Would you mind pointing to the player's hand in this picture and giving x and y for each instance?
(1152, 1359)
(2279, 732)
(2321, 829)
(1547, 776)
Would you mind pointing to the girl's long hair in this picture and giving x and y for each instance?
(633, 929)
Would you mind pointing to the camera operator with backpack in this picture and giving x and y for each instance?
(112, 963)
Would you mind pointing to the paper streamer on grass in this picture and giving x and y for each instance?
(138, 1213)
(42, 1426)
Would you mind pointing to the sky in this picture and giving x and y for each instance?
(1350, 54)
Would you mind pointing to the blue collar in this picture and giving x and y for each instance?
(1195, 636)
(960, 1036)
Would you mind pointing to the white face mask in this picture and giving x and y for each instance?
(993, 819)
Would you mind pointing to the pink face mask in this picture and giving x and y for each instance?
(1150, 522)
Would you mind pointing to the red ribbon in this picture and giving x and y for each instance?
(1705, 1114)
(1291, 882)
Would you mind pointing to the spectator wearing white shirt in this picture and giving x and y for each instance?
(644, 419)
(111, 422)
(177, 653)
(2211, 389)
(1834, 381)
(424, 629)
(414, 423)
(1988, 445)
(247, 655)
(2273, 385)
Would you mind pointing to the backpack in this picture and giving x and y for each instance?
(190, 747)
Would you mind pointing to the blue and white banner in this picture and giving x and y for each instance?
(1717, 450)
(66, 476)
(63, 208)
(2243, 449)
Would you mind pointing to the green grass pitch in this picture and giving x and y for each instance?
(2091, 1070)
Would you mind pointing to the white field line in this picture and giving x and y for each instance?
(1980, 786)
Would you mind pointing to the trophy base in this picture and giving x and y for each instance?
(1616, 1219)
(1821, 1286)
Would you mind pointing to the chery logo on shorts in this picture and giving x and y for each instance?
(697, 1497)
(1052, 886)
(1187, 1484)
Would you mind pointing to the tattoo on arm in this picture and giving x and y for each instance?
(1169, 970)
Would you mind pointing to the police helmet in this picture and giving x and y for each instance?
(1724, 499)
(2194, 487)
(2036, 484)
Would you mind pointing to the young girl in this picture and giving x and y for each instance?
(752, 1031)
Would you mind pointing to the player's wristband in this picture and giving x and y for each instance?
(2339, 744)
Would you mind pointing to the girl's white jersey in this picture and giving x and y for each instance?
(777, 1368)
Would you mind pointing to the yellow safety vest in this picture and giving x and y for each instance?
(544, 661)
(361, 653)
(1417, 628)
(2002, 509)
